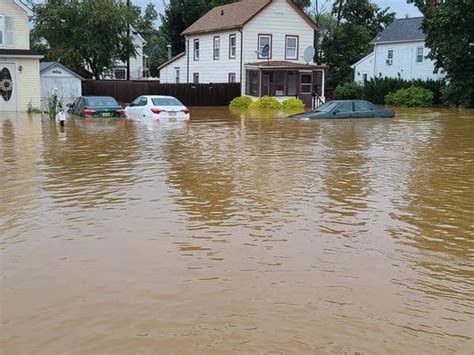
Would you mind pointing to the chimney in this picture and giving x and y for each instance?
(170, 53)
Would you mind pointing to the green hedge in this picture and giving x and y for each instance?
(241, 102)
(265, 103)
(412, 97)
(348, 91)
(293, 105)
(375, 90)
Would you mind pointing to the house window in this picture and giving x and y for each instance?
(196, 49)
(2, 31)
(419, 55)
(120, 73)
(291, 47)
(264, 46)
(196, 78)
(231, 77)
(177, 72)
(232, 46)
(364, 77)
(306, 83)
(252, 83)
(217, 47)
(390, 54)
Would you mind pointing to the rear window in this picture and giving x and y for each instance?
(166, 101)
(101, 101)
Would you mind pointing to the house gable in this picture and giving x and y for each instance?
(16, 19)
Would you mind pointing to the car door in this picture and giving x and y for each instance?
(132, 108)
(73, 105)
(344, 110)
(142, 106)
(363, 109)
(79, 107)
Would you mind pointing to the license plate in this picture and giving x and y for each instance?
(105, 114)
(172, 113)
(172, 119)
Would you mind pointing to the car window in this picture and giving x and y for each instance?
(101, 101)
(166, 101)
(136, 101)
(143, 102)
(327, 107)
(344, 107)
(363, 106)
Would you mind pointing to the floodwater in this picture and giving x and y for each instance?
(234, 234)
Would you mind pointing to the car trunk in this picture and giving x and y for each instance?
(102, 112)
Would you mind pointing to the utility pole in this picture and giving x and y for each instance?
(128, 35)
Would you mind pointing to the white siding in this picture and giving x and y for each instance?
(210, 70)
(404, 62)
(69, 86)
(365, 66)
(16, 19)
(278, 19)
(167, 73)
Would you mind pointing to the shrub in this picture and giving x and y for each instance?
(376, 89)
(31, 109)
(348, 91)
(265, 103)
(293, 105)
(412, 97)
(454, 95)
(242, 102)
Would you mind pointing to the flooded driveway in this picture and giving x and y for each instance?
(238, 234)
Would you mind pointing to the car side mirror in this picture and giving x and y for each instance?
(336, 112)
(68, 105)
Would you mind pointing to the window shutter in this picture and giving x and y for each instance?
(9, 33)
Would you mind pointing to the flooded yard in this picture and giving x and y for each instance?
(238, 234)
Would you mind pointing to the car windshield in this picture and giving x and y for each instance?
(101, 101)
(166, 101)
(326, 107)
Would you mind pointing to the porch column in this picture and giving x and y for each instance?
(260, 82)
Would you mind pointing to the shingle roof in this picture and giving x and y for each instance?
(22, 52)
(169, 61)
(235, 15)
(407, 29)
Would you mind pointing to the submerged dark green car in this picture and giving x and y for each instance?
(345, 109)
(96, 107)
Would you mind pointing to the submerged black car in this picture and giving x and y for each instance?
(345, 109)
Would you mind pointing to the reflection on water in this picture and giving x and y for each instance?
(238, 233)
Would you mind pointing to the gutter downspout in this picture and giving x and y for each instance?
(187, 60)
(241, 59)
(375, 60)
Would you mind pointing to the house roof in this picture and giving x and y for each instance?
(44, 66)
(362, 60)
(176, 57)
(283, 64)
(402, 30)
(236, 15)
(24, 7)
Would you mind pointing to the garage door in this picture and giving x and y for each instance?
(8, 89)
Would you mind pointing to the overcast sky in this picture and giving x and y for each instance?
(399, 6)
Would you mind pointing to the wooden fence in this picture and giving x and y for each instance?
(189, 94)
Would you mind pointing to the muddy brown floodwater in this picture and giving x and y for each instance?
(239, 234)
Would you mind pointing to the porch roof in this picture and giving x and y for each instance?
(282, 64)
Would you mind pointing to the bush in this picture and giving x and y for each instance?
(293, 105)
(31, 109)
(348, 91)
(412, 97)
(265, 103)
(376, 89)
(455, 95)
(242, 102)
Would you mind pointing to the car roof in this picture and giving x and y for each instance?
(98, 97)
(159, 97)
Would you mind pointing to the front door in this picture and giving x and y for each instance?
(8, 89)
(306, 88)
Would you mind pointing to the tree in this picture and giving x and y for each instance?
(84, 34)
(352, 25)
(146, 26)
(449, 29)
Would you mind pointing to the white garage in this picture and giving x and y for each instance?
(56, 76)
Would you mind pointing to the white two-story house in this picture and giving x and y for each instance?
(257, 43)
(399, 52)
(19, 66)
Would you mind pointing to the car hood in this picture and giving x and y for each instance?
(309, 115)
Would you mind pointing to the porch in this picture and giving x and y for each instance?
(283, 80)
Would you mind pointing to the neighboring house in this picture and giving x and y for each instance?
(399, 52)
(55, 76)
(257, 43)
(138, 63)
(19, 66)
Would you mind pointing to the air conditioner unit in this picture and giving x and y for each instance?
(389, 61)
